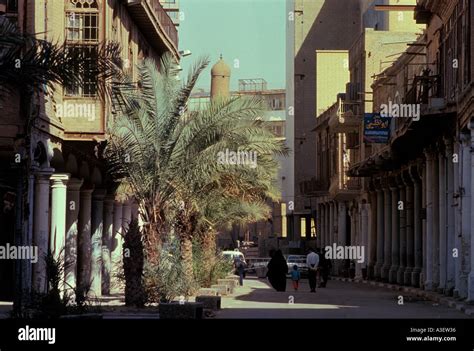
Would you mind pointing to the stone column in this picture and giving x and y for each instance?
(341, 240)
(84, 244)
(436, 222)
(327, 224)
(387, 263)
(409, 229)
(96, 241)
(41, 229)
(402, 229)
(457, 217)
(116, 246)
(107, 235)
(319, 242)
(395, 247)
(372, 244)
(450, 215)
(364, 228)
(424, 224)
(429, 220)
(331, 222)
(470, 281)
(322, 220)
(464, 248)
(58, 217)
(442, 253)
(380, 234)
(417, 226)
(72, 216)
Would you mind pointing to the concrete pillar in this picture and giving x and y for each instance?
(417, 227)
(450, 215)
(97, 227)
(322, 224)
(395, 246)
(116, 246)
(84, 244)
(470, 282)
(364, 233)
(41, 229)
(443, 239)
(409, 230)
(341, 240)
(331, 223)
(72, 217)
(58, 217)
(380, 234)
(466, 220)
(424, 224)
(436, 223)
(387, 262)
(457, 217)
(429, 220)
(107, 235)
(402, 225)
(372, 242)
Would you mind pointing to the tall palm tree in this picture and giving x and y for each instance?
(168, 155)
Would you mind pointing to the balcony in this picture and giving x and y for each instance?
(343, 188)
(427, 91)
(314, 186)
(346, 119)
(155, 24)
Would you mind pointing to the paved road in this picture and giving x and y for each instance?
(339, 300)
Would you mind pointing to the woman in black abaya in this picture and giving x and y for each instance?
(277, 270)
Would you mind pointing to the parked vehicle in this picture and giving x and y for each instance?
(232, 255)
(255, 263)
(300, 261)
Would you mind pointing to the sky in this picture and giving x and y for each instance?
(250, 31)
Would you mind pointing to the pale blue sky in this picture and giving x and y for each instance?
(252, 31)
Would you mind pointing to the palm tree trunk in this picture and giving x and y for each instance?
(208, 244)
(187, 258)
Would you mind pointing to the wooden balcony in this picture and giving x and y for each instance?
(155, 24)
(344, 188)
(346, 119)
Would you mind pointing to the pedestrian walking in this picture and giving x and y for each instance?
(239, 265)
(277, 270)
(295, 277)
(312, 261)
(324, 269)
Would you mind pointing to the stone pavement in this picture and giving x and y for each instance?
(339, 300)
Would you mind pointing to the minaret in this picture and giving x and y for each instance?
(220, 79)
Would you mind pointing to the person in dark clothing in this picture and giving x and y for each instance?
(324, 269)
(277, 270)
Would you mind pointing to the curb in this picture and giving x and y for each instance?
(434, 297)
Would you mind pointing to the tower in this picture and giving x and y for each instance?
(220, 79)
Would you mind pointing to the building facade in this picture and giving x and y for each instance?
(66, 203)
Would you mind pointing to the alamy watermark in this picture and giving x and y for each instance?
(336, 252)
(396, 110)
(37, 334)
(244, 158)
(12, 252)
(76, 110)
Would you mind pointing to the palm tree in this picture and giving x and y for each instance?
(168, 155)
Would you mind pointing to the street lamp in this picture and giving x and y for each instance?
(184, 53)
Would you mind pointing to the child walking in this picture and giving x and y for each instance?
(295, 277)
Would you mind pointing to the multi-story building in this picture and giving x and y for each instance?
(312, 25)
(416, 198)
(67, 203)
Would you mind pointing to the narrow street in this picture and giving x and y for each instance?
(256, 299)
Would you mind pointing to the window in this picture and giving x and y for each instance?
(82, 38)
(284, 224)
